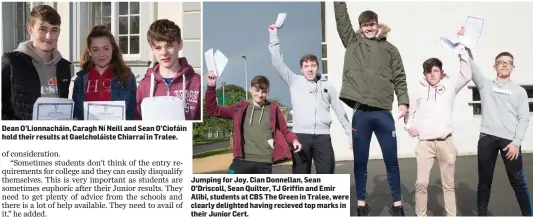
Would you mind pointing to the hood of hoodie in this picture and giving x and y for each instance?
(438, 88)
(186, 85)
(27, 48)
(46, 69)
(185, 69)
(263, 107)
(383, 32)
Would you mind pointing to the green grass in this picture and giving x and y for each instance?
(209, 141)
(212, 152)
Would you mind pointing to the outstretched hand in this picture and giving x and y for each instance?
(461, 31)
(211, 79)
(273, 28)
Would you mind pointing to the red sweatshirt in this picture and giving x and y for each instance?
(98, 87)
(185, 77)
(282, 135)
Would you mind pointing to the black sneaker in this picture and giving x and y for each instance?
(363, 210)
(396, 211)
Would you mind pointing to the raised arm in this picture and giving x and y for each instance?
(211, 107)
(478, 77)
(344, 25)
(277, 58)
(465, 74)
(400, 83)
(523, 118)
(338, 108)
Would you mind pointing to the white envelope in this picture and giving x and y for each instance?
(281, 19)
(210, 60)
(163, 108)
(220, 62)
(473, 28)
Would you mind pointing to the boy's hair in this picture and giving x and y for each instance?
(164, 30)
(308, 57)
(46, 13)
(504, 54)
(260, 82)
(367, 16)
(430, 63)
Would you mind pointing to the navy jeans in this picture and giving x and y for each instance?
(365, 121)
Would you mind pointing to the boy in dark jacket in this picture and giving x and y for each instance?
(36, 68)
(261, 135)
(373, 72)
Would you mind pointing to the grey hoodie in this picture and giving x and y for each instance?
(46, 70)
(504, 107)
(311, 101)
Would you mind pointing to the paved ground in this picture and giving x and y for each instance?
(503, 201)
(213, 146)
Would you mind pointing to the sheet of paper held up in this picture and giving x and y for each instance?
(281, 20)
(455, 46)
(473, 28)
(210, 60)
(53, 109)
(220, 62)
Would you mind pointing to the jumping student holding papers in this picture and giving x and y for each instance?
(433, 107)
(36, 68)
(261, 136)
(312, 98)
(373, 71)
(171, 76)
(505, 117)
(104, 75)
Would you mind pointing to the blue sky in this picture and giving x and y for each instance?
(238, 28)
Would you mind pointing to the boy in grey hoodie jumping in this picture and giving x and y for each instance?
(505, 117)
(311, 98)
(36, 68)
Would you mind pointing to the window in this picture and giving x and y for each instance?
(324, 43)
(22, 19)
(123, 19)
(476, 99)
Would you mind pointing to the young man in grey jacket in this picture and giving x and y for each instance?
(505, 117)
(311, 98)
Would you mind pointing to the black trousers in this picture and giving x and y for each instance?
(487, 152)
(317, 148)
(239, 166)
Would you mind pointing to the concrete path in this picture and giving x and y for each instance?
(503, 201)
(213, 146)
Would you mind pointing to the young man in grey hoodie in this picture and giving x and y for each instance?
(311, 98)
(505, 117)
(36, 68)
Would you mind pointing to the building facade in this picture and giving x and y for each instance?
(128, 21)
(416, 28)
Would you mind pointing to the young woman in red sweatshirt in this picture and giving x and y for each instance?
(104, 75)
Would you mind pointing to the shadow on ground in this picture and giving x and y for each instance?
(502, 203)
